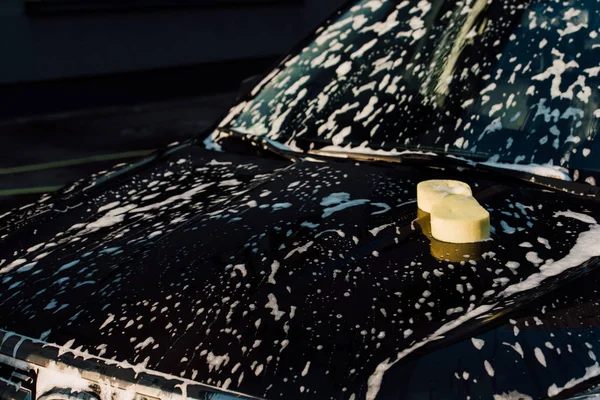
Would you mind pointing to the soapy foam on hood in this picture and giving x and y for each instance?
(584, 249)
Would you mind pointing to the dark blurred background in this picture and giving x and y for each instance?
(86, 84)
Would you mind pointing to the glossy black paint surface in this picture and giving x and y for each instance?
(292, 275)
(181, 279)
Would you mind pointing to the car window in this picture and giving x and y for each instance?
(511, 81)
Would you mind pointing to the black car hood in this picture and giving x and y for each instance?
(278, 279)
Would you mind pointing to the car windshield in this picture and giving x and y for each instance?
(508, 81)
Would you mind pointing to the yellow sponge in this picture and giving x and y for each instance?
(430, 193)
(459, 219)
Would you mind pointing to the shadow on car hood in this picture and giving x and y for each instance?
(277, 279)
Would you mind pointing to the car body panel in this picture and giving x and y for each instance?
(273, 278)
(271, 270)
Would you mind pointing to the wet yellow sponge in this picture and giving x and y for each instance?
(459, 219)
(430, 193)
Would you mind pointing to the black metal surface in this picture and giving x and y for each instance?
(182, 280)
(285, 277)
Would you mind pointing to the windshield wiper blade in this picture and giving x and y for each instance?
(512, 171)
(444, 160)
(563, 185)
(402, 157)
